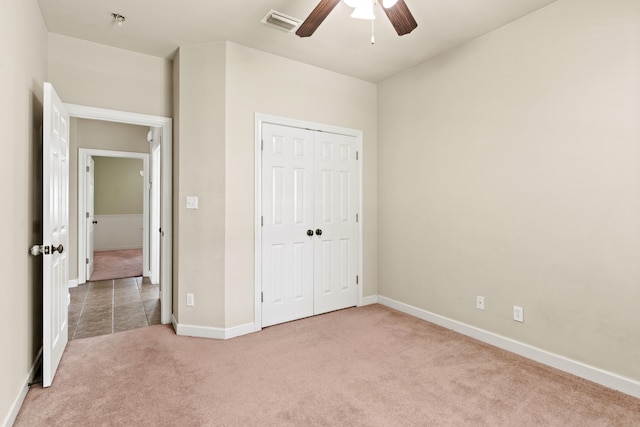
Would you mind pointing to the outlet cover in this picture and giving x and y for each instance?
(480, 302)
(518, 313)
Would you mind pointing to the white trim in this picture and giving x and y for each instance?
(591, 373)
(211, 332)
(73, 283)
(371, 299)
(19, 400)
(166, 172)
(260, 119)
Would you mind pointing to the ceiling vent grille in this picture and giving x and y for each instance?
(281, 21)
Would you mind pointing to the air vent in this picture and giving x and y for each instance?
(281, 21)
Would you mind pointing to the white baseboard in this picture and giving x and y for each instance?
(17, 403)
(371, 299)
(596, 375)
(73, 283)
(211, 332)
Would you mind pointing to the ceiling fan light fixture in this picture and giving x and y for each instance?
(364, 12)
(389, 3)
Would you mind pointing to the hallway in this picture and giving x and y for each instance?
(109, 306)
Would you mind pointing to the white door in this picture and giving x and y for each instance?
(55, 179)
(287, 200)
(310, 241)
(154, 220)
(336, 208)
(90, 215)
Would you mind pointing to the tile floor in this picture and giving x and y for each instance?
(108, 306)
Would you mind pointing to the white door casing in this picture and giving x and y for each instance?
(164, 125)
(309, 231)
(154, 209)
(55, 177)
(90, 215)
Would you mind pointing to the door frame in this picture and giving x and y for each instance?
(166, 175)
(83, 160)
(261, 119)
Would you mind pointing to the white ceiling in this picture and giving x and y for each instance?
(341, 44)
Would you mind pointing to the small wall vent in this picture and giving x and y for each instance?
(281, 21)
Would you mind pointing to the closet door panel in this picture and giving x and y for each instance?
(336, 206)
(287, 206)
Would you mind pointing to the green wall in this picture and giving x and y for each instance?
(118, 186)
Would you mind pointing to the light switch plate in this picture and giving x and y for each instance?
(192, 202)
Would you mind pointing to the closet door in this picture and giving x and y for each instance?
(310, 241)
(287, 209)
(336, 204)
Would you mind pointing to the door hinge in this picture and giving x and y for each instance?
(357, 155)
(357, 217)
(261, 296)
(357, 280)
(262, 221)
(261, 145)
(88, 169)
(87, 261)
(87, 214)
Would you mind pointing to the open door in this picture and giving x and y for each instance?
(90, 215)
(154, 209)
(55, 181)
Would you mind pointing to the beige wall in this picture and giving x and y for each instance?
(199, 170)
(96, 75)
(118, 186)
(23, 43)
(96, 134)
(510, 169)
(222, 86)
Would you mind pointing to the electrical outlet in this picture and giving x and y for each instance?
(480, 302)
(518, 314)
(190, 300)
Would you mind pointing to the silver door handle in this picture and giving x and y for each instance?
(41, 249)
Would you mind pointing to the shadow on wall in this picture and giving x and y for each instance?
(35, 221)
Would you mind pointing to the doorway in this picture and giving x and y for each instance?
(116, 206)
(161, 136)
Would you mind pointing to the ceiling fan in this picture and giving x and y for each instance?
(396, 10)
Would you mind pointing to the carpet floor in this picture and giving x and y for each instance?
(109, 265)
(368, 366)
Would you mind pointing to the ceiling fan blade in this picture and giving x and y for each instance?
(401, 18)
(315, 18)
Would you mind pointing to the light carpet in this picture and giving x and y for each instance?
(368, 366)
(108, 265)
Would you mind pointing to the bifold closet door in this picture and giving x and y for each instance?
(287, 210)
(336, 182)
(310, 197)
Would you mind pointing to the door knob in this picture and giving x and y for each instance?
(309, 233)
(60, 248)
(318, 232)
(95, 222)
